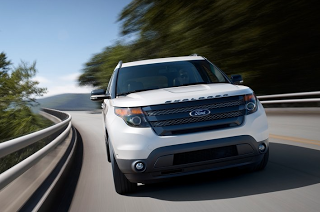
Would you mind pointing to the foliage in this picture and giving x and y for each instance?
(273, 44)
(98, 70)
(18, 92)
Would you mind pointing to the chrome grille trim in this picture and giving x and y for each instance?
(198, 119)
(189, 109)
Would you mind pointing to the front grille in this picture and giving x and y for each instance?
(198, 119)
(189, 109)
(175, 118)
(204, 155)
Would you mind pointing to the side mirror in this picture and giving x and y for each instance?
(236, 79)
(99, 95)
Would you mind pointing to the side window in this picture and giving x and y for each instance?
(209, 73)
(218, 74)
(213, 73)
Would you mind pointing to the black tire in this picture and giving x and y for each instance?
(263, 162)
(121, 183)
(108, 151)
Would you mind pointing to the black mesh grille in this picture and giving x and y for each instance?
(175, 118)
(204, 155)
(198, 119)
(189, 109)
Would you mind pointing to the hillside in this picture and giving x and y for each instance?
(68, 102)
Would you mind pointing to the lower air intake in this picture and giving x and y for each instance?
(204, 155)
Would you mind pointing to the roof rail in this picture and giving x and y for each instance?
(194, 54)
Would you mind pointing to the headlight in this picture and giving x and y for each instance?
(251, 103)
(133, 117)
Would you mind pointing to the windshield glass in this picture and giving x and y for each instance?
(165, 75)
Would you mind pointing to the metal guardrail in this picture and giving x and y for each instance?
(304, 94)
(16, 144)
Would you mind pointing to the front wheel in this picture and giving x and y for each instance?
(121, 183)
(263, 162)
(108, 150)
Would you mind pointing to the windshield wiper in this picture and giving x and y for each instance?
(134, 91)
(195, 83)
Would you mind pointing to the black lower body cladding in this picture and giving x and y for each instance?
(196, 157)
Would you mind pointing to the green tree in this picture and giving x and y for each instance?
(98, 70)
(17, 94)
(269, 42)
(273, 44)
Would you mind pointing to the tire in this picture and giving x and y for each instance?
(121, 183)
(263, 162)
(108, 150)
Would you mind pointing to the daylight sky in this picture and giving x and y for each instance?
(60, 35)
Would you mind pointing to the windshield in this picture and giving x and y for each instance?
(165, 75)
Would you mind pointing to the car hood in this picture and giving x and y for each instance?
(176, 94)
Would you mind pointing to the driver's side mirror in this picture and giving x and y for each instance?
(236, 79)
(99, 95)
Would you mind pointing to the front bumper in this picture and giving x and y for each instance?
(184, 159)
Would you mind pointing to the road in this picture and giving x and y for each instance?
(290, 182)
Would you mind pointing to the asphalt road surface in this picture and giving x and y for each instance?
(290, 182)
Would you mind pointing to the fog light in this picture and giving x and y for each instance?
(139, 166)
(262, 147)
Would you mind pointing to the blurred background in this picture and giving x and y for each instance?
(273, 44)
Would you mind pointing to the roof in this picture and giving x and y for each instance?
(161, 60)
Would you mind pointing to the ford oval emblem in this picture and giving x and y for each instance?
(199, 112)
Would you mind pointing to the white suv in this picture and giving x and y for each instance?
(176, 116)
